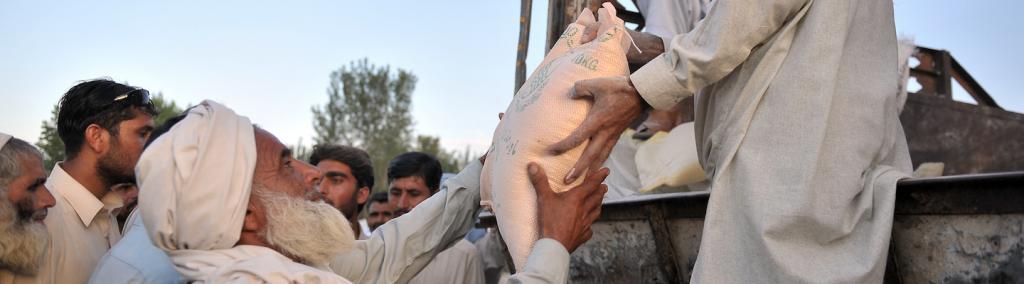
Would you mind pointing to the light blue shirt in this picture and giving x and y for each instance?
(135, 259)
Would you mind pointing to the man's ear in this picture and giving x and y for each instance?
(363, 195)
(97, 139)
(252, 223)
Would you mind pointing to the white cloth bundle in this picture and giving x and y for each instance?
(669, 159)
(195, 183)
(4, 137)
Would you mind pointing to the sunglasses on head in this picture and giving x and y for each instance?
(138, 97)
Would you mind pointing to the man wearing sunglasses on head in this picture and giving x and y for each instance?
(104, 126)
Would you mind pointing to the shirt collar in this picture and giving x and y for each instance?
(85, 205)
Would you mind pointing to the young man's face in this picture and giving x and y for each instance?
(340, 188)
(379, 213)
(118, 164)
(407, 192)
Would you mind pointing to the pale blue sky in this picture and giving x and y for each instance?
(270, 60)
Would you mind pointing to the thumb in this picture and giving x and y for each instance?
(581, 90)
(539, 179)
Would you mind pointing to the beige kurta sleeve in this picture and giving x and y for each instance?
(548, 263)
(400, 248)
(720, 43)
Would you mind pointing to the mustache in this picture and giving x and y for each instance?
(40, 214)
(26, 213)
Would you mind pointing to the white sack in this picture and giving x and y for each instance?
(540, 115)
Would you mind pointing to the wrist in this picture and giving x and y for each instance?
(632, 90)
(650, 47)
(553, 235)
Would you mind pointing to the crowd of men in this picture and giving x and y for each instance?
(222, 200)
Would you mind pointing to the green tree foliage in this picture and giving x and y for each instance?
(369, 107)
(301, 151)
(451, 161)
(53, 148)
(165, 108)
(49, 141)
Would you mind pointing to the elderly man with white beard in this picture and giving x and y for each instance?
(24, 201)
(229, 203)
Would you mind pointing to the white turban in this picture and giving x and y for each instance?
(4, 137)
(195, 180)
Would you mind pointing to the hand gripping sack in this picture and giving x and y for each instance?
(540, 115)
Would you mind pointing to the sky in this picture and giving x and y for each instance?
(270, 60)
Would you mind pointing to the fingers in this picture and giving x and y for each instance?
(593, 202)
(596, 178)
(594, 154)
(600, 159)
(590, 157)
(539, 179)
(587, 129)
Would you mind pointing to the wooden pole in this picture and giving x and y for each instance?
(524, 43)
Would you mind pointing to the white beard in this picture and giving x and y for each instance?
(22, 243)
(311, 231)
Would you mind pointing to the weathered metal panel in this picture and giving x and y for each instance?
(686, 234)
(619, 252)
(998, 193)
(969, 139)
(959, 248)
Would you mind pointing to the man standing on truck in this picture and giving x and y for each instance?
(798, 132)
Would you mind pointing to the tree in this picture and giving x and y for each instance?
(368, 106)
(165, 108)
(53, 148)
(451, 161)
(49, 141)
(301, 151)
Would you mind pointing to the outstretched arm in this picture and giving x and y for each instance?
(720, 43)
(400, 248)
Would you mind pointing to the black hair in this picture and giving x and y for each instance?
(379, 197)
(164, 128)
(92, 102)
(356, 159)
(418, 164)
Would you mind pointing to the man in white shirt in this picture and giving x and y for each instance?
(103, 125)
(797, 128)
(23, 206)
(348, 178)
(412, 178)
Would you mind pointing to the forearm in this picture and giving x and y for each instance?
(727, 36)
